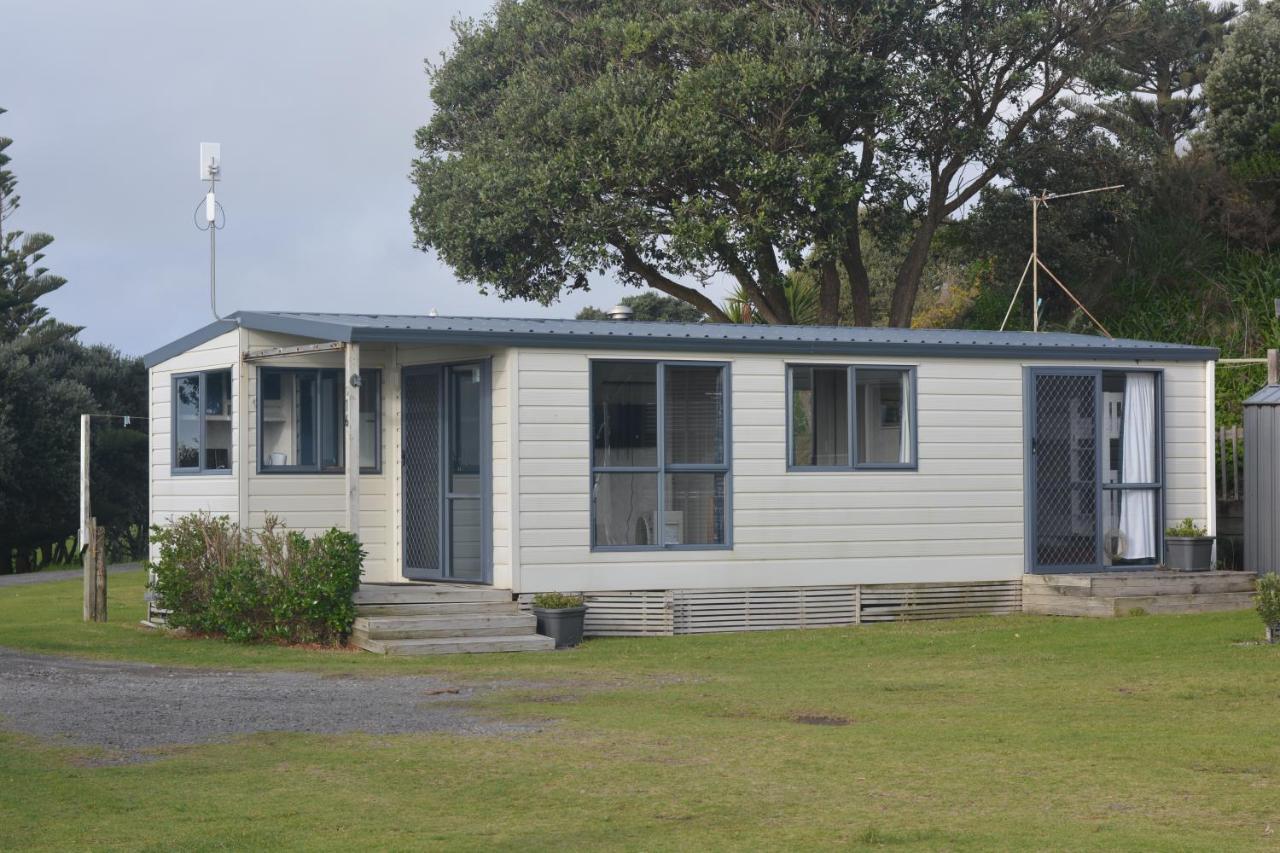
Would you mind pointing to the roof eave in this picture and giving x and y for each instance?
(625, 341)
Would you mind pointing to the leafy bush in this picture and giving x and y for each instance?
(556, 600)
(1268, 599)
(1186, 527)
(273, 584)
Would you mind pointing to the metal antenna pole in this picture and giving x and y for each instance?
(1035, 263)
(211, 214)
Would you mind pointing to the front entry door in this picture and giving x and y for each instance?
(1064, 470)
(446, 461)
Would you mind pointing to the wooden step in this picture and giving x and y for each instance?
(1204, 602)
(426, 594)
(451, 625)
(438, 608)
(458, 645)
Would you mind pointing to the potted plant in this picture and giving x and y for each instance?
(560, 617)
(1268, 603)
(1188, 547)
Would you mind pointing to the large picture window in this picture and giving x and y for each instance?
(848, 417)
(659, 455)
(301, 417)
(202, 423)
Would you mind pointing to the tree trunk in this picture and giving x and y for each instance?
(859, 281)
(6, 558)
(907, 285)
(45, 555)
(829, 295)
(24, 559)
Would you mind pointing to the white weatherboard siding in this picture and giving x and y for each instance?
(174, 495)
(313, 503)
(958, 518)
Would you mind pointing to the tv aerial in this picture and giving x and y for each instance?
(211, 173)
(1034, 265)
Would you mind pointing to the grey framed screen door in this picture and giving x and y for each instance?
(446, 472)
(1095, 469)
(1064, 470)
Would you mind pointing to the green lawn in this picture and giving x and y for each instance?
(1010, 733)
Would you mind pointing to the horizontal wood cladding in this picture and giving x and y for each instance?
(959, 517)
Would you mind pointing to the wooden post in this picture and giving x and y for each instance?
(90, 557)
(1273, 367)
(100, 574)
(353, 437)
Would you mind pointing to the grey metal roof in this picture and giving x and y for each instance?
(693, 337)
(1267, 395)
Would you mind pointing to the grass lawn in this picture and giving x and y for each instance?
(1008, 733)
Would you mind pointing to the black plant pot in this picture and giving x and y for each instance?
(1189, 553)
(562, 624)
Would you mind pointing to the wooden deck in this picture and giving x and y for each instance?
(1109, 594)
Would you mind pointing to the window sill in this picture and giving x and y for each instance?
(655, 549)
(193, 472)
(849, 469)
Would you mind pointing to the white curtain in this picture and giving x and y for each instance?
(1138, 506)
(904, 419)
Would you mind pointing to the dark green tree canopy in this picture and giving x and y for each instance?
(668, 141)
(1243, 92)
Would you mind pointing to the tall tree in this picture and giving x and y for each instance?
(1161, 54)
(668, 141)
(1243, 91)
(47, 379)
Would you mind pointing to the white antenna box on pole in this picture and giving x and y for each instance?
(210, 161)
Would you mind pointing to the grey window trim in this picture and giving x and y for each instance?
(1030, 520)
(663, 467)
(852, 404)
(332, 470)
(199, 470)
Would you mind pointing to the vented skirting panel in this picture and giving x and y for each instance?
(708, 611)
(903, 602)
(646, 613)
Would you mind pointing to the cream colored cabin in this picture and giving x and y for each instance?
(667, 469)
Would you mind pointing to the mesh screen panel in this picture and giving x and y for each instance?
(420, 395)
(1065, 470)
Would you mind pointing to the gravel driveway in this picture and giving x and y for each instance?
(131, 708)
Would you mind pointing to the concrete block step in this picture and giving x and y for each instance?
(458, 645)
(451, 625)
(426, 594)
(438, 608)
(1204, 602)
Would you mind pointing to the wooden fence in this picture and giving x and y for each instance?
(1230, 453)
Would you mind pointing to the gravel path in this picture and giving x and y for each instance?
(61, 575)
(130, 708)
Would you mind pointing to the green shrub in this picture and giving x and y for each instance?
(1186, 527)
(1268, 599)
(273, 584)
(556, 600)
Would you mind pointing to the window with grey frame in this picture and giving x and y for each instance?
(202, 423)
(301, 418)
(659, 455)
(833, 408)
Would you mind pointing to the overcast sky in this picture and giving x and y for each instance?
(315, 105)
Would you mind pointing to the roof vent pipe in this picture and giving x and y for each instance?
(621, 312)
